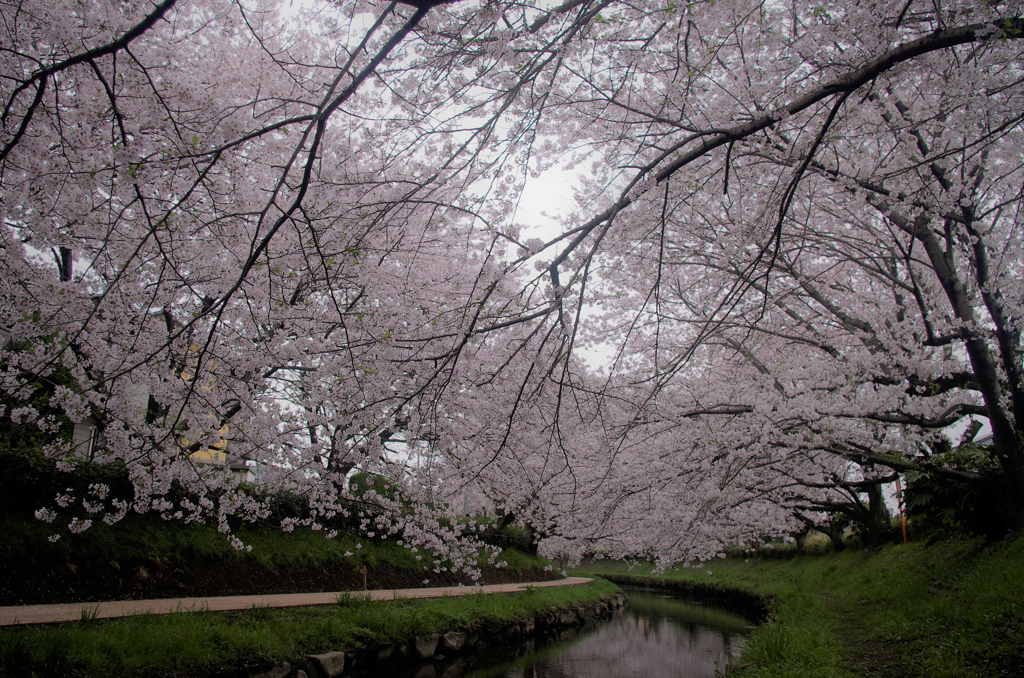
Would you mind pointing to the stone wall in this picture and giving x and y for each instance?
(423, 655)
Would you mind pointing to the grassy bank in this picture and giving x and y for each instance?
(148, 537)
(146, 557)
(198, 643)
(953, 609)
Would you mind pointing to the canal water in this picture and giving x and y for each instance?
(654, 636)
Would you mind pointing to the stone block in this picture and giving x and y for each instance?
(453, 641)
(276, 671)
(384, 653)
(331, 664)
(567, 619)
(426, 646)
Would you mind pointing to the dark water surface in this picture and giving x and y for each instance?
(655, 636)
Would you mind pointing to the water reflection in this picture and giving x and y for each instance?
(655, 636)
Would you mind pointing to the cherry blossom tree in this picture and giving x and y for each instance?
(233, 241)
(791, 242)
(293, 235)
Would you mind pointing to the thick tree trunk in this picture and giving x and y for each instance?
(835, 533)
(879, 519)
(984, 363)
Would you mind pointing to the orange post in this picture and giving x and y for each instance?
(899, 502)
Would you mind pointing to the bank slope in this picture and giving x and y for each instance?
(948, 610)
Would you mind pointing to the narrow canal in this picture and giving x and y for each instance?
(654, 636)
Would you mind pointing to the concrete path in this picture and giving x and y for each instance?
(51, 614)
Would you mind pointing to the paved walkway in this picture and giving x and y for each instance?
(50, 614)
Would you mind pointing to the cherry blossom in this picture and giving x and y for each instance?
(290, 236)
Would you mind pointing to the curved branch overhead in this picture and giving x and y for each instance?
(294, 236)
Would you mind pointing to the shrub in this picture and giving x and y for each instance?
(939, 506)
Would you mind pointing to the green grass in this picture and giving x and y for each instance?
(949, 610)
(196, 642)
(150, 539)
(144, 538)
(28, 480)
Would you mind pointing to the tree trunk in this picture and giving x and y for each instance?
(879, 519)
(986, 372)
(801, 542)
(835, 533)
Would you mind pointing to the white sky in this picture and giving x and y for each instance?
(545, 200)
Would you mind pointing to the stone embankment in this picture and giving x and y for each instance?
(430, 656)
